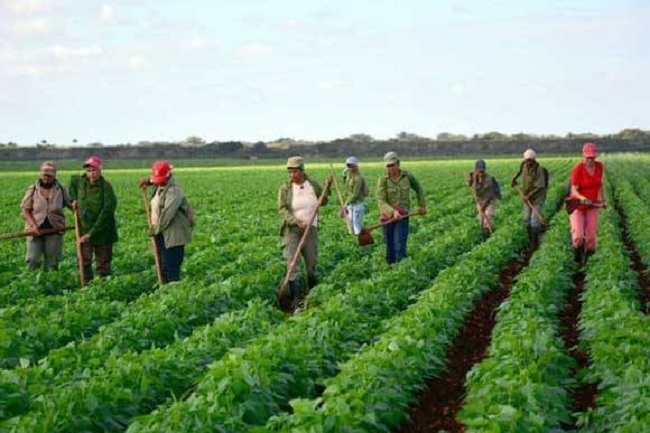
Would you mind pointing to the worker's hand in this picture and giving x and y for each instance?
(144, 182)
(329, 180)
(513, 182)
(396, 215)
(75, 205)
(422, 211)
(604, 203)
(587, 202)
(302, 224)
(85, 238)
(344, 212)
(33, 231)
(152, 231)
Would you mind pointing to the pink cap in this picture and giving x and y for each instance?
(94, 162)
(589, 150)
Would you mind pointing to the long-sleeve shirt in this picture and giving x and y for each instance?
(285, 197)
(354, 188)
(97, 204)
(169, 214)
(395, 194)
(533, 183)
(484, 190)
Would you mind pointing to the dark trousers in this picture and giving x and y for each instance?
(103, 258)
(396, 235)
(171, 259)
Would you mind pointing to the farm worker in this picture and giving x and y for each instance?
(96, 202)
(42, 207)
(356, 190)
(393, 196)
(587, 186)
(486, 192)
(297, 202)
(533, 191)
(172, 219)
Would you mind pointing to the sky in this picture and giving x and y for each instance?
(126, 71)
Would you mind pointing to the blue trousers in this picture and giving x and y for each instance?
(396, 235)
(171, 260)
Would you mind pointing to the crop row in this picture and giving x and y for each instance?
(616, 334)
(60, 363)
(374, 387)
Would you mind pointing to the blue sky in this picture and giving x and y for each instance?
(125, 71)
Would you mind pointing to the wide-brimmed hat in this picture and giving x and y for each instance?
(480, 165)
(296, 162)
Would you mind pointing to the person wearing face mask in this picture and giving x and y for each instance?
(42, 207)
(93, 197)
(587, 186)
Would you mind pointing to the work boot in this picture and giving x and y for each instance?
(588, 254)
(486, 233)
(312, 281)
(578, 255)
(534, 237)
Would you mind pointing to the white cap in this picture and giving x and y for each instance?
(530, 154)
(352, 161)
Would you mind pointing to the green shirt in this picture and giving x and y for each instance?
(533, 183)
(394, 193)
(354, 188)
(97, 203)
(484, 190)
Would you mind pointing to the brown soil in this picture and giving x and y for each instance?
(584, 395)
(637, 264)
(437, 406)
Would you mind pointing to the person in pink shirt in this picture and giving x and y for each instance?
(587, 185)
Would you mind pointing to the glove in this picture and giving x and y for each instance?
(513, 182)
(587, 202)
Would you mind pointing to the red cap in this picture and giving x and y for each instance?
(94, 162)
(160, 172)
(589, 150)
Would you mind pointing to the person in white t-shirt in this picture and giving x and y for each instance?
(297, 203)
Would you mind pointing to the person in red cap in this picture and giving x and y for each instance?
(172, 219)
(587, 186)
(93, 197)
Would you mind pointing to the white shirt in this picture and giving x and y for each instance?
(304, 202)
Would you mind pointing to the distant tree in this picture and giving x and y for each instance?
(447, 136)
(523, 137)
(260, 146)
(494, 136)
(631, 133)
(408, 136)
(361, 138)
(95, 144)
(193, 141)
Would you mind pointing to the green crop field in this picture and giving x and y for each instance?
(213, 353)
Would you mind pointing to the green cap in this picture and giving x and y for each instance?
(296, 162)
(391, 158)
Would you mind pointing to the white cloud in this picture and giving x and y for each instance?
(255, 50)
(63, 52)
(32, 26)
(459, 89)
(28, 7)
(135, 62)
(194, 43)
(107, 12)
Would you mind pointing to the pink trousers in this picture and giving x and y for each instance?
(584, 225)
